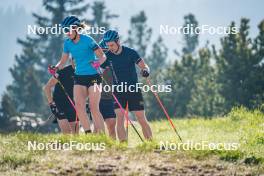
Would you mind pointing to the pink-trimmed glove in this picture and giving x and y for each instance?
(52, 70)
(95, 64)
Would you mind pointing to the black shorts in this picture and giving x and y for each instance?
(107, 108)
(87, 80)
(66, 111)
(134, 99)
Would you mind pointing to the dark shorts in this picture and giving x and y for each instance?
(66, 111)
(134, 99)
(87, 80)
(107, 108)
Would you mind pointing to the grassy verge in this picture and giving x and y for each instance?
(241, 127)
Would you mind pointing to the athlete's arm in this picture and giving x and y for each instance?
(62, 61)
(100, 55)
(48, 89)
(142, 65)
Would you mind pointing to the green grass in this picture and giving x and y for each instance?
(14, 161)
(240, 126)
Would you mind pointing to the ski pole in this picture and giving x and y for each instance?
(164, 109)
(127, 119)
(72, 104)
(45, 122)
(126, 113)
(70, 100)
(123, 111)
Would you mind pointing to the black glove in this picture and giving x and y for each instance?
(53, 108)
(145, 72)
